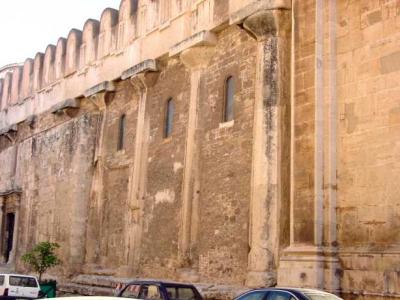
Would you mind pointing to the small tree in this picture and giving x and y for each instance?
(42, 257)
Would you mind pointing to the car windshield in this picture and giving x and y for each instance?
(180, 293)
(315, 295)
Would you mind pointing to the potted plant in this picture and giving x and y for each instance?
(41, 258)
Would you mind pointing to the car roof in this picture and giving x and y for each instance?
(91, 297)
(19, 275)
(294, 290)
(158, 282)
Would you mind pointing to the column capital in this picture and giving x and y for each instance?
(197, 57)
(268, 23)
(143, 81)
(98, 94)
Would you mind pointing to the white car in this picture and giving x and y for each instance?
(19, 286)
(92, 298)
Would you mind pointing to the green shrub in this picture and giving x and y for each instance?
(42, 257)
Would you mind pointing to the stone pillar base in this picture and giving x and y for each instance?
(260, 279)
(188, 275)
(309, 267)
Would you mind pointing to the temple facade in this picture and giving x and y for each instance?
(237, 142)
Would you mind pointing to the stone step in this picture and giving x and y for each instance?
(93, 269)
(96, 285)
(83, 290)
(98, 280)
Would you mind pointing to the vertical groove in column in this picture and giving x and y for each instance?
(332, 122)
(319, 124)
(292, 122)
(332, 146)
(189, 160)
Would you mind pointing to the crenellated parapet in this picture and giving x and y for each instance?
(103, 50)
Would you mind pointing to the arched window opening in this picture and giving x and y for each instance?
(229, 99)
(169, 118)
(121, 132)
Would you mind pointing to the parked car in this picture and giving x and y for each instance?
(88, 298)
(287, 294)
(159, 290)
(15, 286)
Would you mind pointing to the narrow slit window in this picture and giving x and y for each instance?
(169, 117)
(121, 132)
(229, 99)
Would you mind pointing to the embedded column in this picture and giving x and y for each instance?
(142, 76)
(312, 260)
(99, 96)
(196, 60)
(271, 143)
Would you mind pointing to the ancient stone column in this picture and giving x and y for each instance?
(141, 81)
(98, 95)
(311, 259)
(196, 60)
(271, 28)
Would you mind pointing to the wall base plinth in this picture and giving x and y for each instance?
(260, 279)
(188, 274)
(309, 267)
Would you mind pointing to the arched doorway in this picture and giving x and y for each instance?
(9, 210)
(8, 235)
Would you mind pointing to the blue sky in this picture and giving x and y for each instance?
(28, 26)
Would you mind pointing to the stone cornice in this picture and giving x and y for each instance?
(203, 38)
(255, 6)
(49, 79)
(105, 86)
(149, 65)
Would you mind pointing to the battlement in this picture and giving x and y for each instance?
(139, 30)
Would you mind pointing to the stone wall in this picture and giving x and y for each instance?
(345, 150)
(299, 189)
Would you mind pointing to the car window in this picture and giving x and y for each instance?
(22, 281)
(180, 293)
(257, 295)
(1, 279)
(151, 292)
(316, 295)
(280, 296)
(131, 291)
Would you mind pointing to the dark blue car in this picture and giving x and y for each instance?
(287, 294)
(158, 290)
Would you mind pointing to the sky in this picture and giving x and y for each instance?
(28, 26)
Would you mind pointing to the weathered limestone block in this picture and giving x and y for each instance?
(72, 52)
(271, 28)
(38, 71)
(88, 48)
(107, 38)
(27, 79)
(65, 105)
(60, 58)
(9, 129)
(196, 60)
(149, 65)
(16, 84)
(1, 90)
(203, 38)
(106, 86)
(127, 22)
(241, 9)
(6, 95)
(142, 77)
(49, 65)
